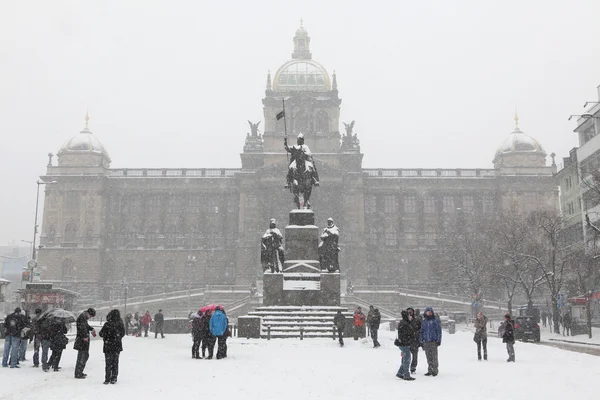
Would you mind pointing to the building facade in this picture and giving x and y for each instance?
(158, 230)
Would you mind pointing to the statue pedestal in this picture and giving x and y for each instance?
(302, 283)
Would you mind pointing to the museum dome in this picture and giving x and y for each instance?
(84, 142)
(518, 143)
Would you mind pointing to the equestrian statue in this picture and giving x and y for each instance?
(302, 173)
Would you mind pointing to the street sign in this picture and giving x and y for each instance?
(32, 264)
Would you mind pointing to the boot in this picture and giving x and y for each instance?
(484, 356)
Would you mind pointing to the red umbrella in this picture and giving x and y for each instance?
(211, 307)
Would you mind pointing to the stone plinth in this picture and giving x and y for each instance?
(301, 289)
(302, 217)
(249, 327)
(330, 288)
(302, 242)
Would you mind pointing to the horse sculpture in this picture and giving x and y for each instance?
(302, 173)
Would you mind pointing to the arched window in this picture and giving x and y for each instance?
(68, 270)
(70, 233)
(391, 239)
(322, 123)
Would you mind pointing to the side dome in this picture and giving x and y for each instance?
(83, 149)
(520, 149)
(305, 75)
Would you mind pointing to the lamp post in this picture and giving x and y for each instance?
(33, 262)
(588, 310)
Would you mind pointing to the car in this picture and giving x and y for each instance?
(527, 329)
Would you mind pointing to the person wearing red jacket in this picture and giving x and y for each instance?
(359, 323)
(146, 320)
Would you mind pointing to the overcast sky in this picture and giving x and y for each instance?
(172, 83)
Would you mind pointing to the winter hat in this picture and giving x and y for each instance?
(91, 311)
(17, 310)
(38, 310)
(507, 316)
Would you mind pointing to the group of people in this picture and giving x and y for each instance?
(136, 324)
(210, 328)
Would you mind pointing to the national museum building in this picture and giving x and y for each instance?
(163, 229)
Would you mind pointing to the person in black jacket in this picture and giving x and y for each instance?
(508, 337)
(13, 324)
(82, 341)
(373, 321)
(208, 340)
(58, 342)
(197, 335)
(159, 321)
(406, 336)
(112, 333)
(415, 323)
(340, 324)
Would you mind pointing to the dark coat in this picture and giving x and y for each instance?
(431, 328)
(509, 331)
(159, 319)
(415, 324)
(205, 326)
(13, 323)
(112, 333)
(374, 319)
(83, 332)
(57, 332)
(340, 322)
(406, 334)
(197, 328)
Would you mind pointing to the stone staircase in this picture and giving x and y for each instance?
(297, 321)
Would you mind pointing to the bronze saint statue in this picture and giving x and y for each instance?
(271, 249)
(302, 173)
(328, 248)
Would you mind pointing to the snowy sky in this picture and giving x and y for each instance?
(171, 84)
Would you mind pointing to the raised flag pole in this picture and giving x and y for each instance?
(287, 157)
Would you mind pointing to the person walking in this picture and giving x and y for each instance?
(196, 334)
(430, 340)
(359, 322)
(415, 324)
(373, 321)
(481, 335)
(406, 336)
(146, 320)
(567, 321)
(58, 342)
(218, 326)
(13, 323)
(25, 335)
(339, 321)
(159, 320)
(112, 333)
(508, 337)
(36, 337)
(82, 341)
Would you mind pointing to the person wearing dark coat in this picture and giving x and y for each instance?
(480, 336)
(567, 321)
(508, 337)
(208, 340)
(25, 335)
(112, 333)
(406, 336)
(373, 321)
(36, 337)
(430, 339)
(13, 324)
(197, 335)
(415, 323)
(340, 324)
(58, 342)
(159, 321)
(82, 341)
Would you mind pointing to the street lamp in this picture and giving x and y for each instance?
(33, 262)
(584, 116)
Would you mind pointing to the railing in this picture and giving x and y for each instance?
(430, 173)
(173, 173)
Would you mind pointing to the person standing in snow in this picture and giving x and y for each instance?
(508, 337)
(359, 323)
(406, 336)
(112, 333)
(373, 321)
(146, 320)
(415, 324)
(58, 342)
(430, 340)
(159, 321)
(218, 326)
(25, 335)
(481, 335)
(340, 324)
(13, 323)
(208, 340)
(196, 334)
(82, 341)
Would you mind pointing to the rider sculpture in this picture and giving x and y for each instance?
(328, 248)
(302, 174)
(271, 249)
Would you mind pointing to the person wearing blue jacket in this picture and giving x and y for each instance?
(218, 327)
(431, 338)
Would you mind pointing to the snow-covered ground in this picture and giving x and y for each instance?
(314, 368)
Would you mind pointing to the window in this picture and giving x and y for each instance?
(429, 204)
(68, 271)
(410, 236)
(468, 204)
(410, 204)
(390, 205)
(568, 183)
(129, 269)
(370, 204)
(570, 208)
(149, 271)
(194, 204)
(372, 237)
(70, 233)
(430, 236)
(488, 204)
(170, 270)
(322, 123)
(152, 205)
(152, 236)
(391, 238)
(448, 204)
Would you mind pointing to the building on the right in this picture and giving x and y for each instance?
(587, 163)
